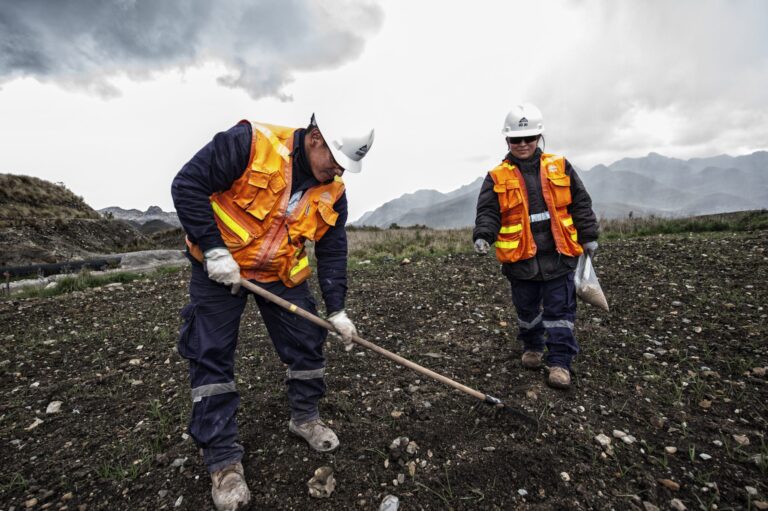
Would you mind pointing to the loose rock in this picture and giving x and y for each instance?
(53, 407)
(322, 484)
(669, 484)
(742, 440)
(677, 505)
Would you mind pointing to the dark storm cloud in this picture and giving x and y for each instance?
(261, 42)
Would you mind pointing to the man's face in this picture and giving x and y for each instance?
(323, 166)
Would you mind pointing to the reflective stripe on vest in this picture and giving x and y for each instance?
(509, 229)
(540, 217)
(283, 151)
(507, 244)
(303, 263)
(229, 222)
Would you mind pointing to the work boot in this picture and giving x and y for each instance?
(532, 359)
(559, 378)
(319, 436)
(229, 489)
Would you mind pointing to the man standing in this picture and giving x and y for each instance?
(248, 201)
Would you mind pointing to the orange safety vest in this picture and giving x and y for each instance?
(267, 243)
(515, 239)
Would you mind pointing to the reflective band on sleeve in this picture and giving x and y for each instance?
(283, 151)
(229, 222)
(303, 263)
(509, 229)
(507, 244)
(306, 375)
(560, 323)
(293, 307)
(540, 217)
(575, 236)
(568, 221)
(198, 393)
(531, 324)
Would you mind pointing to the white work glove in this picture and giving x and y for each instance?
(344, 327)
(590, 248)
(481, 246)
(222, 268)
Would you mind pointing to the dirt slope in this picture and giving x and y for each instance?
(672, 366)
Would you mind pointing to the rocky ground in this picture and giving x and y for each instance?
(668, 409)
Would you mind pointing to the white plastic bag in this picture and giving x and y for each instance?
(587, 286)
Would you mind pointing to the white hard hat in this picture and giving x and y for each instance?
(348, 148)
(523, 120)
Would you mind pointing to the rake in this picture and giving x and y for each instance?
(495, 403)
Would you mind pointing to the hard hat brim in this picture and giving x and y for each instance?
(522, 133)
(348, 164)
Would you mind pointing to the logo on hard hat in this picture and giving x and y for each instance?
(362, 150)
(522, 123)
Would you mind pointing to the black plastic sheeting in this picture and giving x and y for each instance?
(43, 270)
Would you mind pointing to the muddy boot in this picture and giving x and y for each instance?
(532, 359)
(319, 436)
(229, 489)
(559, 378)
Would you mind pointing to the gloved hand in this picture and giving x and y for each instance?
(344, 327)
(481, 246)
(222, 268)
(590, 248)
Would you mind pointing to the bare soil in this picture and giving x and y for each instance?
(678, 362)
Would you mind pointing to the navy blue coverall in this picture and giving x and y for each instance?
(209, 334)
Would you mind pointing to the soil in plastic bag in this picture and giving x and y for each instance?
(587, 286)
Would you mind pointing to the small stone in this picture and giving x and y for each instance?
(53, 407)
(67, 496)
(522, 492)
(30, 503)
(178, 501)
(742, 440)
(759, 371)
(396, 414)
(565, 477)
(412, 448)
(697, 329)
(490, 448)
(629, 439)
(400, 478)
(761, 505)
(603, 440)
(532, 395)
(34, 424)
(751, 491)
(717, 443)
(617, 433)
(411, 468)
(134, 361)
(705, 404)
(322, 483)
(390, 503)
(669, 484)
(405, 261)
(649, 507)
(657, 422)
(178, 462)
(386, 463)
(677, 505)
(162, 494)
(649, 356)
(670, 449)
(705, 456)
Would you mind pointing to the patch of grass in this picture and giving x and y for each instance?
(400, 243)
(79, 282)
(16, 481)
(652, 225)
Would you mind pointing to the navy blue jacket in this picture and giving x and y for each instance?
(219, 164)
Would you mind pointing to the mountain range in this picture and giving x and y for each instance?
(152, 220)
(651, 185)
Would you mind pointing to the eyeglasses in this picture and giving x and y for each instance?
(517, 140)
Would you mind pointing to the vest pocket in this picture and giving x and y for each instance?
(561, 189)
(510, 194)
(263, 193)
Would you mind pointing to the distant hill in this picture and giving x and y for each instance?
(137, 217)
(651, 185)
(44, 222)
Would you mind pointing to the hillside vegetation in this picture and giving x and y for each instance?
(26, 197)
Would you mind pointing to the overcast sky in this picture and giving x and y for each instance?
(112, 97)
